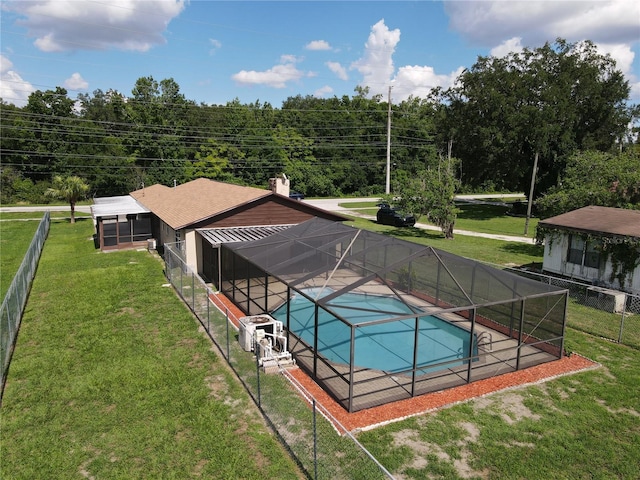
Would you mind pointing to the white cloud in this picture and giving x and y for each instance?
(420, 80)
(513, 45)
(622, 54)
(376, 64)
(61, 25)
(490, 22)
(612, 25)
(13, 89)
(5, 64)
(318, 45)
(323, 91)
(215, 46)
(377, 68)
(338, 69)
(635, 89)
(276, 76)
(290, 59)
(76, 82)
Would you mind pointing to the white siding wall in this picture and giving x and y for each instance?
(555, 261)
(189, 237)
(635, 281)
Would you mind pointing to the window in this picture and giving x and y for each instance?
(591, 256)
(576, 249)
(583, 253)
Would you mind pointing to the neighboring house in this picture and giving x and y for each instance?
(203, 213)
(599, 245)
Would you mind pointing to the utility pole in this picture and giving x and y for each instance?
(533, 182)
(388, 183)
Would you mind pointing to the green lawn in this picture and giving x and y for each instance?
(111, 378)
(473, 217)
(492, 219)
(484, 249)
(38, 215)
(581, 426)
(15, 238)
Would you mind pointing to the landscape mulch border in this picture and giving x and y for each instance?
(395, 411)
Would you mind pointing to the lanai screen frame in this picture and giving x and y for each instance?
(529, 316)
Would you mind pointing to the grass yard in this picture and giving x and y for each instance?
(475, 217)
(111, 378)
(36, 216)
(478, 217)
(582, 426)
(15, 238)
(484, 249)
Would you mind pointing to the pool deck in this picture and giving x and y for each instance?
(366, 418)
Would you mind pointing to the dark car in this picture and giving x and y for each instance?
(387, 215)
(296, 196)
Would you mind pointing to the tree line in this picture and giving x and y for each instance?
(555, 102)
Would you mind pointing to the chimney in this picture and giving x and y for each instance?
(280, 185)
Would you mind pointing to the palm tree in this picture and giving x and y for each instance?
(70, 189)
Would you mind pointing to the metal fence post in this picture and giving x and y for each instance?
(193, 291)
(226, 316)
(208, 313)
(258, 378)
(624, 310)
(315, 442)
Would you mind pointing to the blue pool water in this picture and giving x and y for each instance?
(387, 346)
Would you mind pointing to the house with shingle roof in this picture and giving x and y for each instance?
(200, 215)
(599, 245)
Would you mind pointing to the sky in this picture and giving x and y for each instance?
(266, 51)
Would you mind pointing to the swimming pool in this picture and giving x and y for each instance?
(387, 346)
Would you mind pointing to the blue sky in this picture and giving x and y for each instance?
(268, 51)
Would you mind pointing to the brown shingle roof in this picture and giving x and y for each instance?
(613, 221)
(199, 199)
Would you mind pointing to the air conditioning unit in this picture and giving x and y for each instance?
(605, 299)
(265, 336)
(248, 327)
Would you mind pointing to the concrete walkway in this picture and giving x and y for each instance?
(336, 205)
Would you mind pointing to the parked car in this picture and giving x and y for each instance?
(296, 195)
(387, 215)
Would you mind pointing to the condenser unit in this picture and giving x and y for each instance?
(265, 336)
(605, 299)
(248, 327)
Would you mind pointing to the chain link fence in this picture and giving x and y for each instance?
(610, 314)
(322, 447)
(16, 297)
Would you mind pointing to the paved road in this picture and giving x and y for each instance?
(337, 205)
(333, 204)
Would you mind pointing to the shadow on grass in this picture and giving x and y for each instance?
(481, 211)
(413, 233)
(522, 248)
(68, 219)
